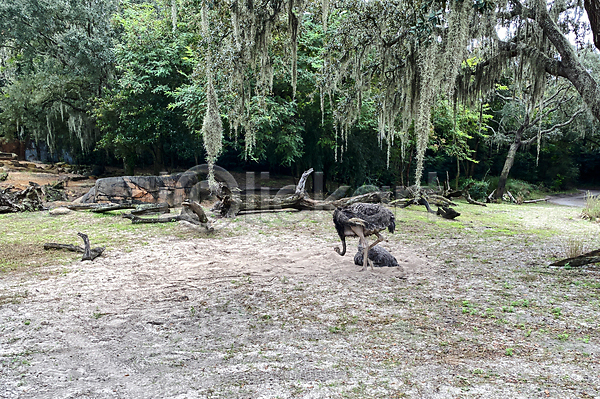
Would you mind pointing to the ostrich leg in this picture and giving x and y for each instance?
(366, 255)
(379, 239)
(358, 230)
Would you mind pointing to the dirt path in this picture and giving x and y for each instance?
(577, 199)
(271, 311)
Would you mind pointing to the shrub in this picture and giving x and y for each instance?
(592, 207)
(478, 190)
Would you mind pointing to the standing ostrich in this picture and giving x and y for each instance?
(362, 220)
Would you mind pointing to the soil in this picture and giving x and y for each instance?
(266, 309)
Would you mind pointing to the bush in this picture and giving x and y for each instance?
(478, 190)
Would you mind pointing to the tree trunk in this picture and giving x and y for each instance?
(592, 7)
(569, 65)
(510, 160)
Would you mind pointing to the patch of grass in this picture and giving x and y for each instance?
(563, 337)
(592, 207)
(572, 247)
(23, 235)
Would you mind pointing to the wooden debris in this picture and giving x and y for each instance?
(151, 209)
(88, 252)
(111, 207)
(535, 200)
(581, 260)
(28, 200)
(229, 206)
(447, 213)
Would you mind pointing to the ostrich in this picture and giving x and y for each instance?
(362, 220)
(378, 256)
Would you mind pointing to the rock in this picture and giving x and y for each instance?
(339, 193)
(367, 188)
(60, 211)
(197, 228)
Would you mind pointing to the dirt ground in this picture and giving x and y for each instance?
(266, 309)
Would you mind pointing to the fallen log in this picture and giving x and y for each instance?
(511, 197)
(111, 207)
(447, 213)
(151, 209)
(191, 212)
(230, 205)
(535, 200)
(253, 211)
(196, 209)
(161, 219)
(581, 260)
(28, 200)
(88, 252)
(472, 201)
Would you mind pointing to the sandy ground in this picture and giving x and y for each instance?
(271, 312)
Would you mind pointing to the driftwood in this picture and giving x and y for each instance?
(191, 212)
(196, 209)
(27, 200)
(406, 202)
(161, 219)
(88, 252)
(141, 209)
(511, 197)
(111, 207)
(229, 206)
(151, 209)
(535, 200)
(472, 201)
(447, 213)
(581, 260)
(252, 211)
(304, 202)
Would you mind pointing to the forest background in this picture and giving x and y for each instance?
(131, 84)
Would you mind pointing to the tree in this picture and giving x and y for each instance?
(152, 61)
(458, 134)
(55, 58)
(523, 123)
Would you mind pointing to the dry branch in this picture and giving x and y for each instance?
(535, 200)
(581, 260)
(88, 252)
(151, 209)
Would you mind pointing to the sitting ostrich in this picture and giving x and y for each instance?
(378, 256)
(362, 220)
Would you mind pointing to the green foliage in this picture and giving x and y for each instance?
(135, 114)
(479, 189)
(56, 56)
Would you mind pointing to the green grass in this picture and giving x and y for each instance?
(23, 235)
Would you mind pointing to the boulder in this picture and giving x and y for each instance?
(60, 211)
(172, 189)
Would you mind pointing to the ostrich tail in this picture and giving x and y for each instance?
(392, 226)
